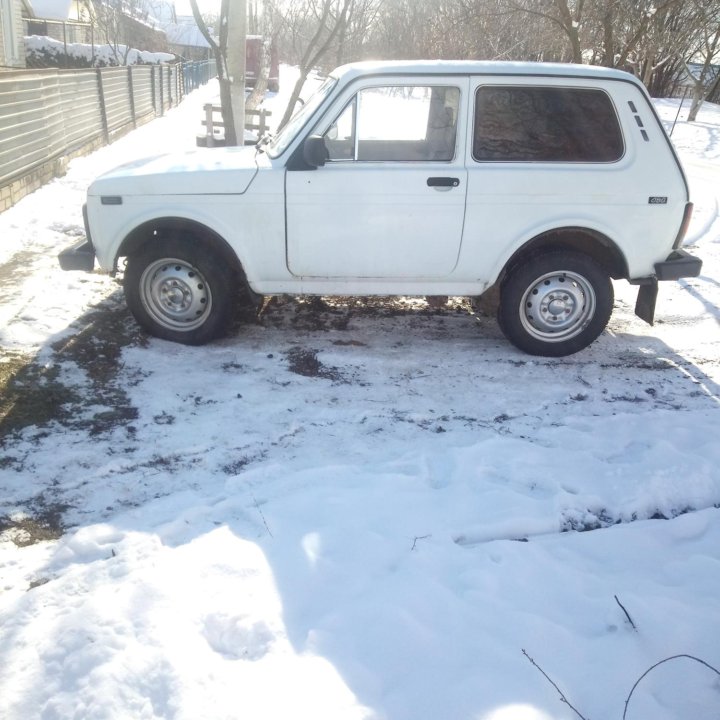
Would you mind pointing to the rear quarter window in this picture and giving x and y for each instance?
(545, 124)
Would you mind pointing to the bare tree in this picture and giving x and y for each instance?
(266, 22)
(567, 17)
(355, 30)
(322, 20)
(403, 30)
(111, 19)
(219, 49)
(708, 50)
(498, 30)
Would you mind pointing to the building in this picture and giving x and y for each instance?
(12, 47)
(185, 39)
(66, 20)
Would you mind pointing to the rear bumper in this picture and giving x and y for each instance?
(80, 256)
(679, 264)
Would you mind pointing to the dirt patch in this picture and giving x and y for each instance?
(41, 523)
(31, 394)
(302, 361)
(35, 394)
(336, 312)
(27, 531)
(236, 466)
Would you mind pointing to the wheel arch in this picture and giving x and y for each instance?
(167, 227)
(590, 242)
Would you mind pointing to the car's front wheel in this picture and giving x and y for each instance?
(555, 303)
(180, 290)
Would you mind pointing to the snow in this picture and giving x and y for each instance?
(40, 47)
(359, 510)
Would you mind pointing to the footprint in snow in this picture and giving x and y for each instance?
(237, 637)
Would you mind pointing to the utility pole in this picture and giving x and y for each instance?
(236, 40)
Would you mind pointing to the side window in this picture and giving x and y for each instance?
(396, 123)
(545, 124)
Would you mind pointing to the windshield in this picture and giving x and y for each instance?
(281, 141)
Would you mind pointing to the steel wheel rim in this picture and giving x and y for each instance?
(175, 294)
(558, 306)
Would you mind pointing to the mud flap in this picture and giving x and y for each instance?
(645, 304)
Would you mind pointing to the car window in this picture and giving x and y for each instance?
(545, 124)
(280, 142)
(396, 123)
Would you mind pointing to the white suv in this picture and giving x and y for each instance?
(414, 178)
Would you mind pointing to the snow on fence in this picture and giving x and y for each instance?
(50, 116)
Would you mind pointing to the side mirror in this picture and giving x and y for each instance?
(314, 151)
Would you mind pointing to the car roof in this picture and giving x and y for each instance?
(351, 71)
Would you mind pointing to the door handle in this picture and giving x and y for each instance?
(447, 182)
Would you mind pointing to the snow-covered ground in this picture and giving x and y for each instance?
(353, 509)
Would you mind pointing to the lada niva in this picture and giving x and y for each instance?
(543, 181)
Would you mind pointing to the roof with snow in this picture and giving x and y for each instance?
(185, 33)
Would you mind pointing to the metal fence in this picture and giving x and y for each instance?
(46, 115)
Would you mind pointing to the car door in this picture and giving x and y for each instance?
(390, 200)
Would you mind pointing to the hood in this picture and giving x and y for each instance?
(223, 171)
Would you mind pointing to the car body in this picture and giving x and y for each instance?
(413, 178)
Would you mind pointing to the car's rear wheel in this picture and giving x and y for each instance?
(180, 289)
(556, 303)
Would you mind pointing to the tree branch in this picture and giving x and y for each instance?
(674, 657)
(627, 614)
(560, 692)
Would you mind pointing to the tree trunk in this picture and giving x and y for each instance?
(226, 110)
(236, 42)
(258, 93)
(570, 25)
(219, 52)
(698, 96)
(290, 109)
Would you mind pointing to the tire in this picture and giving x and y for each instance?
(555, 304)
(180, 289)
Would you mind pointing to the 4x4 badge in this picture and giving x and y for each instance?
(655, 200)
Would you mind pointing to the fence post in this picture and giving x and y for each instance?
(152, 89)
(103, 109)
(131, 92)
(210, 131)
(169, 86)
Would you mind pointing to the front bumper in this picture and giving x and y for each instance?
(80, 256)
(679, 264)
